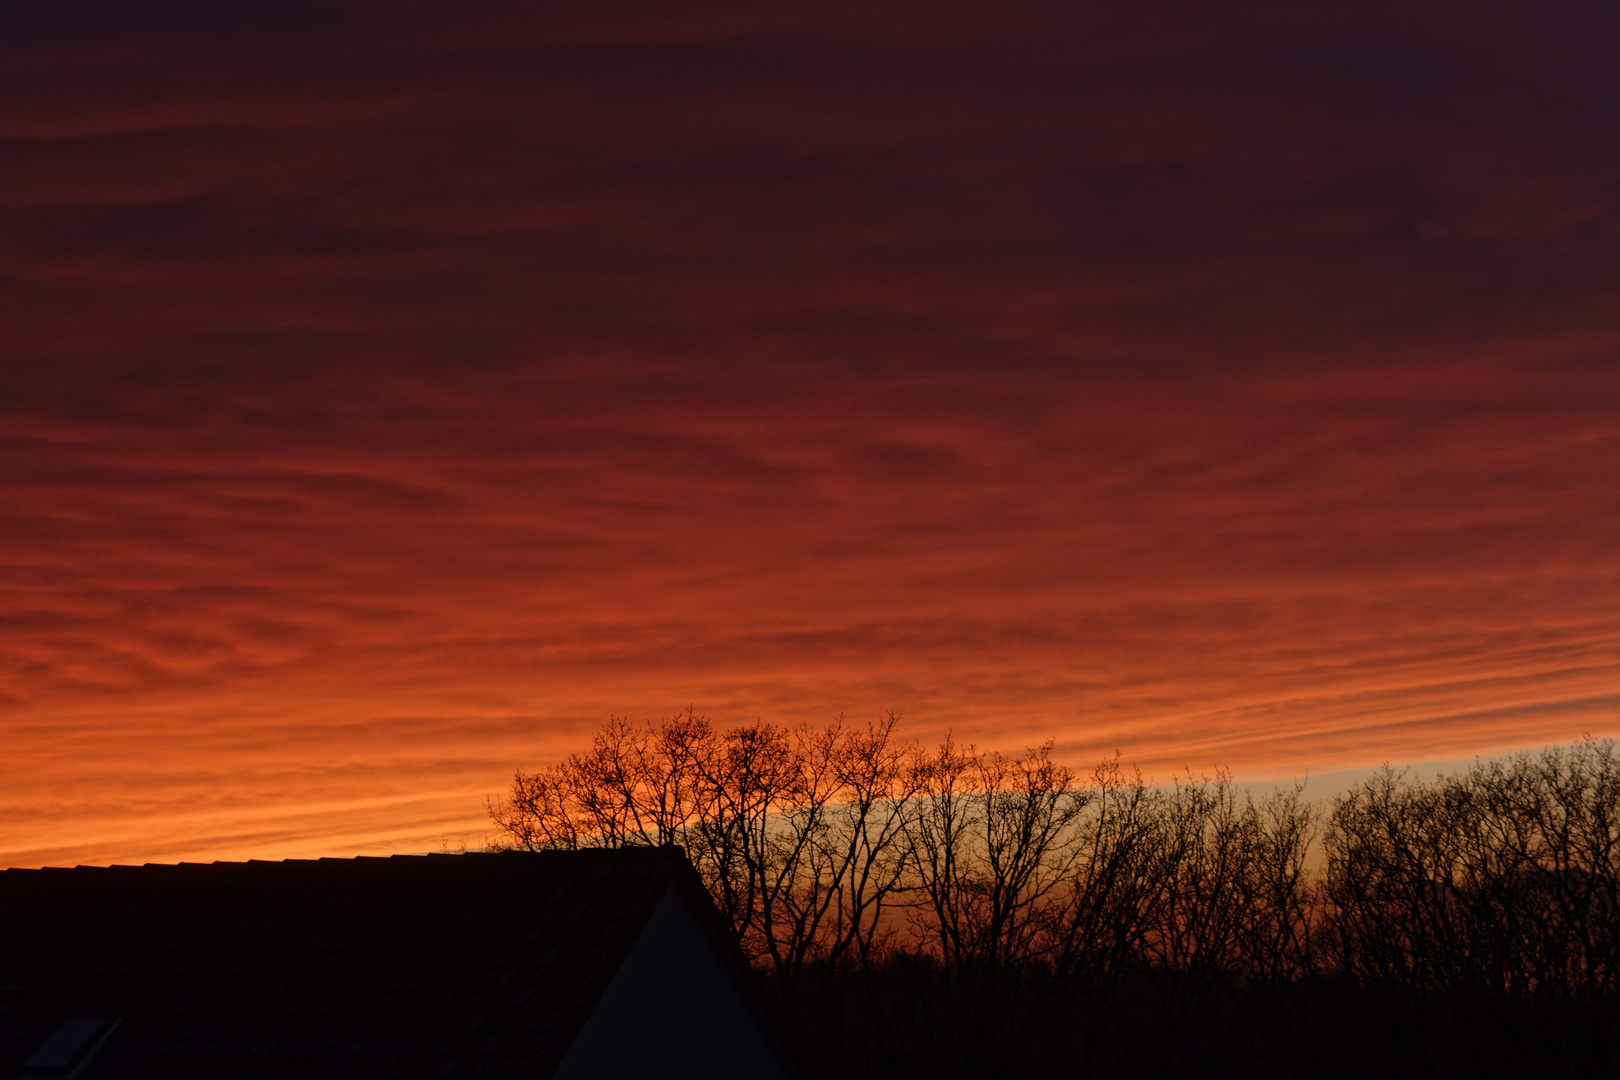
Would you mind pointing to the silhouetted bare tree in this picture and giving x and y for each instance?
(1234, 919)
(951, 912)
(995, 851)
(1483, 907)
(799, 833)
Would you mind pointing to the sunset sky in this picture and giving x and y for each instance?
(390, 393)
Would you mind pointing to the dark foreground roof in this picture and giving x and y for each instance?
(477, 965)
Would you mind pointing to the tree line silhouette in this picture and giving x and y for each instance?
(945, 911)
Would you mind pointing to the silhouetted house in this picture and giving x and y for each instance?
(559, 964)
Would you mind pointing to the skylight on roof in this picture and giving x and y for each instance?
(69, 1048)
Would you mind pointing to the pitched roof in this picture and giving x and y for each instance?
(476, 965)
